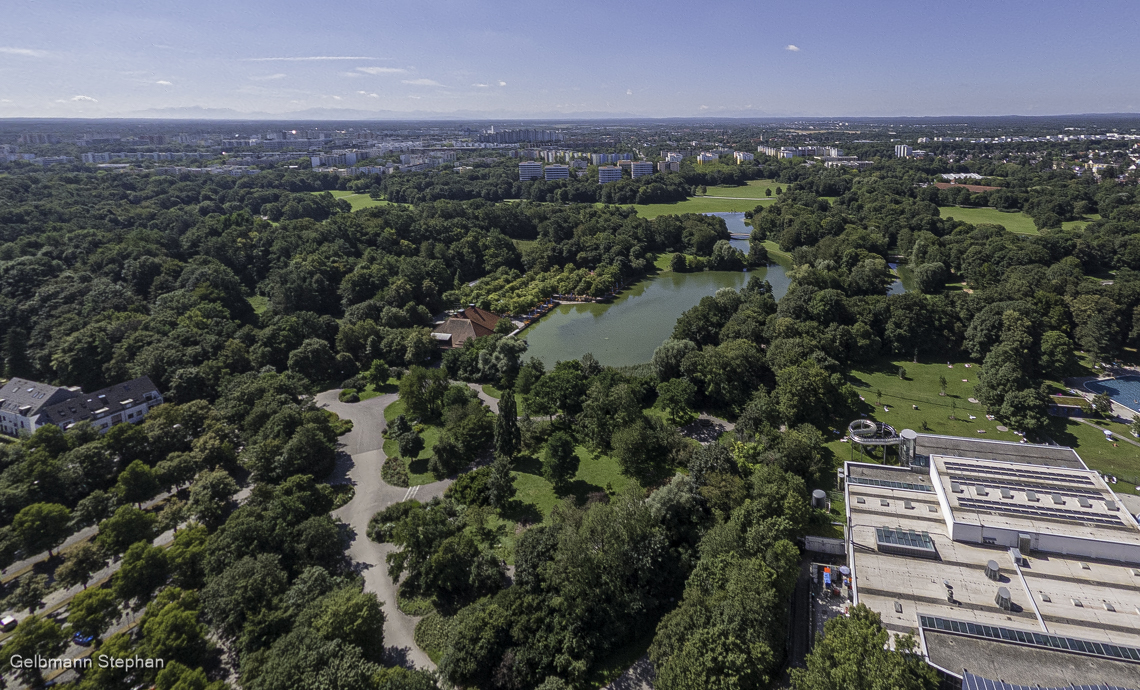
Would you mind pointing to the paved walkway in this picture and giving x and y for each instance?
(359, 465)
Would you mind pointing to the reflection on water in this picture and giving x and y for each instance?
(627, 330)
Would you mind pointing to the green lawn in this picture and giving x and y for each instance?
(418, 468)
(921, 389)
(697, 204)
(358, 201)
(1080, 224)
(491, 391)
(371, 391)
(535, 497)
(774, 249)
(754, 189)
(259, 303)
(1014, 222)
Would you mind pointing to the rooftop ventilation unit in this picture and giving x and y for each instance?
(1024, 543)
(1031, 496)
(1084, 502)
(992, 571)
(1006, 493)
(1058, 500)
(956, 487)
(981, 491)
(1015, 554)
(898, 607)
(1109, 607)
(1111, 505)
(1046, 598)
(908, 505)
(1002, 599)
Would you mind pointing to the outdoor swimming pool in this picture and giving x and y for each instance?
(1124, 390)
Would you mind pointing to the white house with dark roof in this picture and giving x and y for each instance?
(27, 405)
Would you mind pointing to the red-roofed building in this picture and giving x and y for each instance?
(472, 322)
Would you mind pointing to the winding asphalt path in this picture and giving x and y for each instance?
(359, 465)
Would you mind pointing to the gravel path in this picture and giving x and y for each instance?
(359, 464)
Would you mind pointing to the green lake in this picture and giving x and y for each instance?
(628, 329)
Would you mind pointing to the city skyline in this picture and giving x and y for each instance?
(510, 60)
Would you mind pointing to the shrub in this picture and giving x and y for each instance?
(471, 488)
(348, 395)
(394, 472)
(379, 527)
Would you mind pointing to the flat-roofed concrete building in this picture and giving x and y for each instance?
(641, 169)
(530, 171)
(557, 172)
(1006, 560)
(608, 173)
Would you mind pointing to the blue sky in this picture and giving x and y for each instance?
(539, 58)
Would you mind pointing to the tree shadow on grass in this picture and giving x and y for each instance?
(580, 489)
(518, 511)
(418, 466)
(528, 464)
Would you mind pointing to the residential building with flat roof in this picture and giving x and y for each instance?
(903, 151)
(608, 173)
(1005, 560)
(741, 156)
(557, 172)
(641, 169)
(530, 171)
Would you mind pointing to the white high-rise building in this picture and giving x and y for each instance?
(742, 156)
(608, 173)
(903, 151)
(558, 172)
(530, 171)
(640, 169)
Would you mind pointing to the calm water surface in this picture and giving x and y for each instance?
(629, 329)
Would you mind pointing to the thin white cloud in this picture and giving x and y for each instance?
(381, 70)
(502, 83)
(629, 92)
(704, 107)
(370, 95)
(26, 52)
(307, 58)
(84, 99)
(792, 48)
(481, 86)
(416, 97)
(163, 82)
(422, 82)
(269, 77)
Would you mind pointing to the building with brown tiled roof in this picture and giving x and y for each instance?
(472, 322)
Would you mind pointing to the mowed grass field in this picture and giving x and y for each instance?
(535, 497)
(921, 389)
(698, 204)
(358, 201)
(754, 189)
(1014, 222)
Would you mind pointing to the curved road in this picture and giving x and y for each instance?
(365, 455)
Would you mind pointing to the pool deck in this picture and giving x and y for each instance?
(1080, 385)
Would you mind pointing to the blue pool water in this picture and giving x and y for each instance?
(1124, 390)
